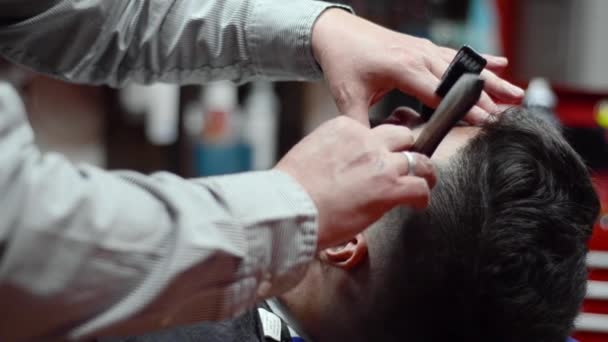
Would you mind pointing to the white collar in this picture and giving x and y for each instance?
(278, 308)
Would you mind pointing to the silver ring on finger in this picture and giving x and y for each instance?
(411, 163)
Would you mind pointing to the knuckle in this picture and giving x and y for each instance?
(427, 173)
(426, 43)
(391, 176)
(427, 167)
(387, 180)
(416, 185)
(402, 130)
(345, 126)
(337, 128)
(429, 47)
(342, 121)
(396, 130)
(415, 60)
(407, 138)
(367, 158)
(411, 62)
(421, 188)
(417, 192)
(405, 59)
(406, 133)
(450, 53)
(401, 54)
(424, 160)
(385, 173)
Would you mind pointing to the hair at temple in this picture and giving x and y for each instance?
(500, 253)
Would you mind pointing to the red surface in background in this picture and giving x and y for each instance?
(575, 109)
(599, 240)
(599, 275)
(507, 10)
(588, 337)
(578, 109)
(596, 306)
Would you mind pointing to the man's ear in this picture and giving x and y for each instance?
(405, 116)
(347, 256)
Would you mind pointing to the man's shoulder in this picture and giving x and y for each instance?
(244, 328)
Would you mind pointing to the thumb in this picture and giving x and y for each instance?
(359, 112)
(352, 103)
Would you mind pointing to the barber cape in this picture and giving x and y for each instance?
(265, 323)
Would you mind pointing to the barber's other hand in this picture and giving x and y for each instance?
(363, 61)
(355, 174)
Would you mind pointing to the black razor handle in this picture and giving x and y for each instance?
(455, 105)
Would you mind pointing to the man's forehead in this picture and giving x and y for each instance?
(457, 138)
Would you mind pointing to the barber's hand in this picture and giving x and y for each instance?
(355, 174)
(363, 61)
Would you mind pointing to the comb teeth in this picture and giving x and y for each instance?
(469, 63)
(466, 61)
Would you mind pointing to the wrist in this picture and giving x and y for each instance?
(322, 31)
(313, 196)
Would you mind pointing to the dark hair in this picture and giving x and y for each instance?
(500, 253)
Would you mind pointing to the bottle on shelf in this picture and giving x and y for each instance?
(262, 109)
(215, 127)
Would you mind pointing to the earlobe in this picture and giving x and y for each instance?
(347, 256)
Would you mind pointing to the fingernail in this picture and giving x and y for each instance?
(501, 60)
(515, 90)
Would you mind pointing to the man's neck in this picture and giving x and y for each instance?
(281, 310)
(316, 307)
(305, 303)
(316, 321)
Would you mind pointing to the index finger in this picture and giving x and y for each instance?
(500, 88)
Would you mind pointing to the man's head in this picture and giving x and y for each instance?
(498, 256)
